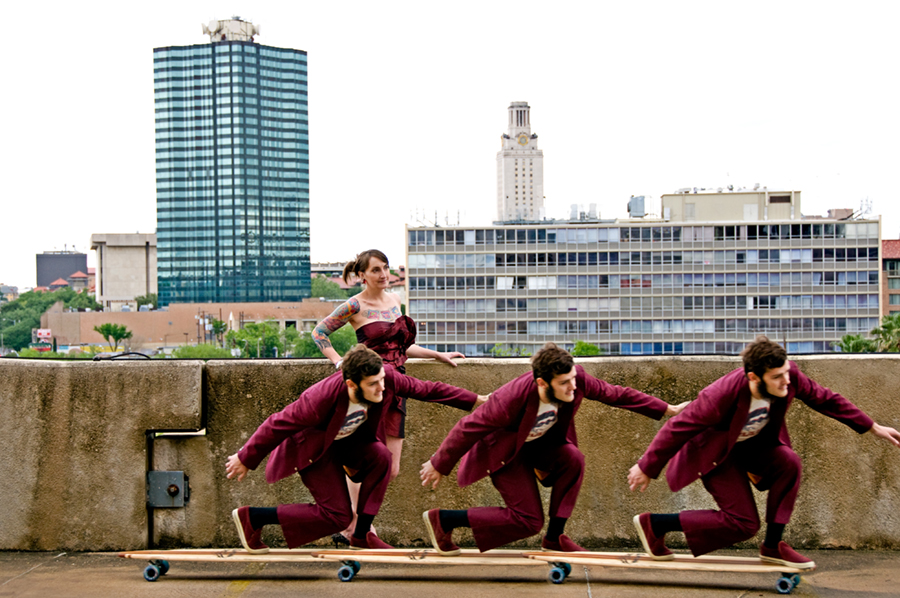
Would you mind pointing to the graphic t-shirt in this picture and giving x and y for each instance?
(356, 415)
(756, 419)
(546, 417)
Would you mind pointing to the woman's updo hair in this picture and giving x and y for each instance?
(361, 263)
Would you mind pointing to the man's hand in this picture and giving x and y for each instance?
(889, 434)
(676, 409)
(234, 467)
(430, 475)
(481, 400)
(449, 357)
(637, 479)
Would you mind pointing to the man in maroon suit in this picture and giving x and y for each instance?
(526, 429)
(732, 435)
(334, 427)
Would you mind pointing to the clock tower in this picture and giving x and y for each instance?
(520, 169)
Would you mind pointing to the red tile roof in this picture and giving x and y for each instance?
(79, 274)
(59, 282)
(890, 249)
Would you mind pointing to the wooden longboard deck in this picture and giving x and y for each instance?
(429, 556)
(222, 554)
(729, 564)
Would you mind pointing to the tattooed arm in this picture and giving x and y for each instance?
(338, 318)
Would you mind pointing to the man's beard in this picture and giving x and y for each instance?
(360, 398)
(764, 391)
(551, 396)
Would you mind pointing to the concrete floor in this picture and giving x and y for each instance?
(847, 574)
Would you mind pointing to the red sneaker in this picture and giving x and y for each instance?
(655, 547)
(251, 539)
(785, 555)
(372, 542)
(564, 544)
(441, 540)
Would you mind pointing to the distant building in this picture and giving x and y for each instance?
(649, 286)
(520, 169)
(127, 268)
(181, 323)
(8, 293)
(232, 169)
(53, 265)
(890, 261)
(78, 281)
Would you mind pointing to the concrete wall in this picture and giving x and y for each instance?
(73, 435)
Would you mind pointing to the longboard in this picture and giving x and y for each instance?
(159, 559)
(790, 576)
(351, 559)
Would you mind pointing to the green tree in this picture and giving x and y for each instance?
(83, 301)
(583, 349)
(887, 335)
(342, 340)
(256, 339)
(855, 343)
(501, 350)
(148, 299)
(113, 333)
(19, 317)
(219, 328)
(324, 288)
(201, 352)
(35, 354)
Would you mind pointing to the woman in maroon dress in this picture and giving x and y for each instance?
(379, 324)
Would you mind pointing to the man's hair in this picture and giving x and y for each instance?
(551, 361)
(762, 355)
(360, 362)
(361, 263)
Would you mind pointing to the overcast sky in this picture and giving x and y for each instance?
(407, 101)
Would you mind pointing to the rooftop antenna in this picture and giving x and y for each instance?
(865, 207)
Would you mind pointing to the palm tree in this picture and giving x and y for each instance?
(855, 343)
(113, 333)
(887, 336)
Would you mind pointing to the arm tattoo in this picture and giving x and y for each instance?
(338, 318)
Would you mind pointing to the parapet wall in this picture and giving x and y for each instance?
(75, 442)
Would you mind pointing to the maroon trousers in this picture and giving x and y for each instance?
(774, 467)
(523, 515)
(326, 479)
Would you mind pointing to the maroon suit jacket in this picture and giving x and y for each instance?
(702, 436)
(492, 436)
(299, 434)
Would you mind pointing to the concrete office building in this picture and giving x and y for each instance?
(890, 298)
(232, 169)
(126, 268)
(520, 169)
(646, 287)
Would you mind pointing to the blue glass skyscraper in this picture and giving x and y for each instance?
(232, 169)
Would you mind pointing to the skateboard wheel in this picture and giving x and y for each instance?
(784, 585)
(151, 573)
(557, 575)
(795, 579)
(346, 573)
(356, 566)
(162, 565)
(567, 568)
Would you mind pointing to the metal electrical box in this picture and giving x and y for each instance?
(167, 489)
